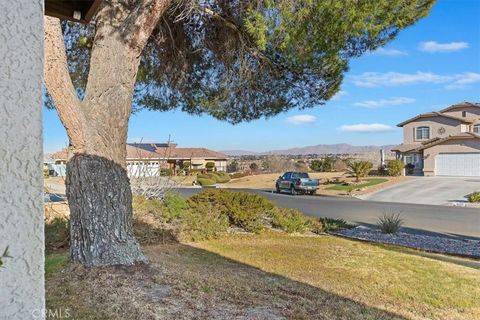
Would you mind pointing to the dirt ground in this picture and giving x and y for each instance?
(267, 181)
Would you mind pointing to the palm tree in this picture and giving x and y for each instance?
(359, 168)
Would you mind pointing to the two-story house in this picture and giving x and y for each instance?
(443, 143)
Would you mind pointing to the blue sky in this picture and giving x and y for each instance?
(429, 66)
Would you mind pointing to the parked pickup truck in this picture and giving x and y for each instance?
(296, 183)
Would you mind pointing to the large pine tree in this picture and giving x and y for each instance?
(235, 60)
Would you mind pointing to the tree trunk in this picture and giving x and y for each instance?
(98, 188)
(100, 201)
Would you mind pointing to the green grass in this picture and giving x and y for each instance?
(368, 183)
(54, 262)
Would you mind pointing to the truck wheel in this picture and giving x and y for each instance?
(293, 191)
(311, 193)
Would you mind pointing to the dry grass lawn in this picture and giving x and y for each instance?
(269, 276)
(267, 181)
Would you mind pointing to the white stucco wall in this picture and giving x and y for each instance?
(22, 293)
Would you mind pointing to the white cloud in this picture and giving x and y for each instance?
(301, 119)
(376, 79)
(396, 101)
(466, 79)
(366, 128)
(433, 46)
(389, 52)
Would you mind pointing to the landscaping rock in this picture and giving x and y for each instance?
(438, 244)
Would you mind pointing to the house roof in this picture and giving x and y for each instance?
(436, 114)
(158, 151)
(461, 105)
(433, 142)
(74, 10)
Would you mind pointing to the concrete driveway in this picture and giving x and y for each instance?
(428, 190)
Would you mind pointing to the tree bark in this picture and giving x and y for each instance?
(98, 188)
(100, 201)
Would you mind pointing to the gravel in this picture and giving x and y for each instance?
(438, 244)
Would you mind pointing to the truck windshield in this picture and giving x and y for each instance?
(299, 175)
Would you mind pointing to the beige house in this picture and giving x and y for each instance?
(443, 143)
(146, 159)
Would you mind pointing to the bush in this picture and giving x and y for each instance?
(244, 210)
(331, 225)
(289, 220)
(218, 177)
(57, 233)
(210, 166)
(253, 167)
(206, 182)
(233, 166)
(166, 172)
(323, 165)
(221, 177)
(175, 206)
(315, 225)
(359, 168)
(395, 167)
(390, 223)
(474, 197)
(238, 175)
(204, 221)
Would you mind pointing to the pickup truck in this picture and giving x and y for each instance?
(296, 183)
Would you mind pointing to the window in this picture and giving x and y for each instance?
(476, 128)
(464, 114)
(422, 133)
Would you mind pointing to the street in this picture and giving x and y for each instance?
(419, 218)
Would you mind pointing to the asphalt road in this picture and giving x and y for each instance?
(418, 218)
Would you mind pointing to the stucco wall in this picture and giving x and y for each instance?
(451, 126)
(451, 146)
(472, 112)
(21, 196)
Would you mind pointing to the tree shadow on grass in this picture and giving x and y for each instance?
(184, 282)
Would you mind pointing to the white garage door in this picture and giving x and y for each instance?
(458, 164)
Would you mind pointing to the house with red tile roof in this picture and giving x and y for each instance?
(149, 158)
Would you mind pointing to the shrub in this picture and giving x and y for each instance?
(210, 166)
(238, 175)
(218, 177)
(233, 166)
(390, 223)
(57, 233)
(289, 220)
(474, 197)
(359, 168)
(395, 167)
(221, 177)
(204, 221)
(206, 182)
(315, 225)
(175, 206)
(254, 167)
(244, 210)
(323, 165)
(331, 225)
(166, 172)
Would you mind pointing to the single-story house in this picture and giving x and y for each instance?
(146, 159)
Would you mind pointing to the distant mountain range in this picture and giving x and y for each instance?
(341, 148)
